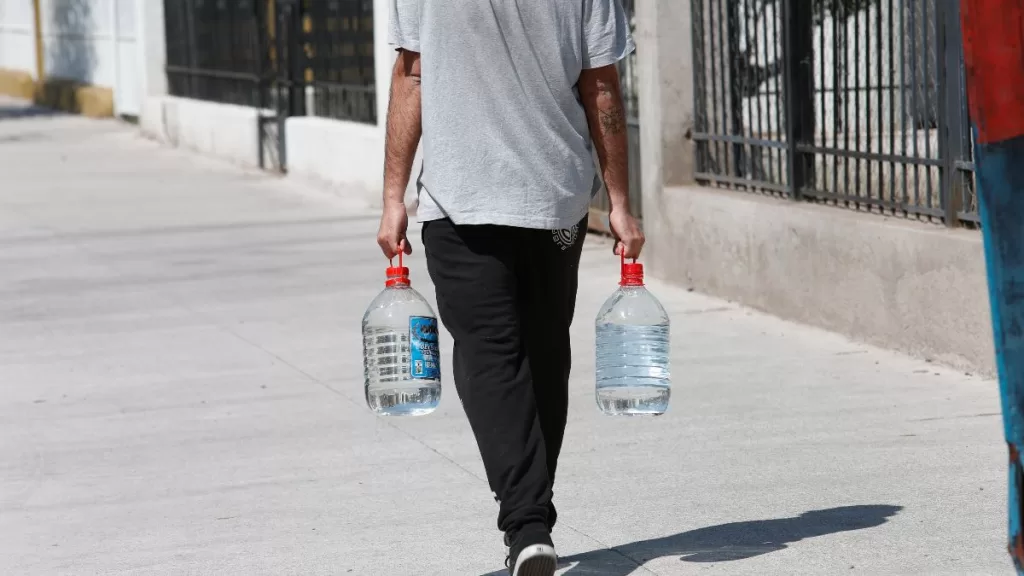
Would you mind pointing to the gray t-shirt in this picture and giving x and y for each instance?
(505, 137)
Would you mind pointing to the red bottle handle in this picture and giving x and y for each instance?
(397, 275)
(630, 274)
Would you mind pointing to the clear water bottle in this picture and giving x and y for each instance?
(401, 358)
(633, 376)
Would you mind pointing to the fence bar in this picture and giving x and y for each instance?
(951, 107)
(259, 42)
(190, 23)
(297, 61)
(824, 92)
(722, 122)
(781, 167)
(284, 12)
(847, 126)
(735, 181)
(892, 100)
(871, 202)
(704, 137)
(798, 53)
(994, 52)
(879, 104)
(857, 91)
(868, 157)
(700, 122)
(737, 73)
(753, 97)
(903, 97)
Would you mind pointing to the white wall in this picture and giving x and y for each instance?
(345, 154)
(127, 73)
(152, 53)
(222, 130)
(17, 36)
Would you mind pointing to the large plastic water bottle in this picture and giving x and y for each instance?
(401, 358)
(633, 376)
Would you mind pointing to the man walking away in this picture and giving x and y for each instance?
(510, 98)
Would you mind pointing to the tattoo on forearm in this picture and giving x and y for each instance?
(613, 121)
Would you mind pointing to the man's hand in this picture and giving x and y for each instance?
(629, 237)
(394, 223)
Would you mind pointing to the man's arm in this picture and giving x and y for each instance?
(601, 94)
(404, 129)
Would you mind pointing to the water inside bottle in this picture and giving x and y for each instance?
(633, 376)
(391, 389)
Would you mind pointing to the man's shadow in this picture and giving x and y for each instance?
(726, 542)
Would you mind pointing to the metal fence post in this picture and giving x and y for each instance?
(193, 48)
(798, 72)
(285, 11)
(297, 60)
(735, 83)
(260, 68)
(951, 107)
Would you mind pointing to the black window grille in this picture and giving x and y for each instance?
(341, 72)
(856, 103)
(293, 56)
(216, 49)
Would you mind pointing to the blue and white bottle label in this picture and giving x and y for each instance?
(424, 353)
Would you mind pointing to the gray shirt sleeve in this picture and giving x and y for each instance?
(606, 33)
(404, 28)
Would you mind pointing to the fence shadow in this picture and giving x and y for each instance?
(17, 112)
(725, 542)
(71, 51)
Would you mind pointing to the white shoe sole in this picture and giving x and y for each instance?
(536, 560)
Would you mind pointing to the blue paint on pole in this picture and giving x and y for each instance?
(1000, 183)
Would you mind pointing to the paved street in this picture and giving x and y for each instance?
(180, 394)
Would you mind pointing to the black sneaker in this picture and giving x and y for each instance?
(530, 552)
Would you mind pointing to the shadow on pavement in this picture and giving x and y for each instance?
(27, 111)
(725, 542)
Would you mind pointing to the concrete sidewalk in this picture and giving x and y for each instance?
(181, 394)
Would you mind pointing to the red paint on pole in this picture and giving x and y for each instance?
(994, 55)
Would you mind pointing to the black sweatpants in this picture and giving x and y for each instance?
(507, 297)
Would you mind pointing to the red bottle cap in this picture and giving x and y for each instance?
(397, 275)
(632, 274)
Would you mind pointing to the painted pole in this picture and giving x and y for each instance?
(994, 56)
(37, 18)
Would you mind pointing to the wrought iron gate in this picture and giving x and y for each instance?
(282, 57)
(283, 77)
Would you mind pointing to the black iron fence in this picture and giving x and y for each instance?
(340, 70)
(217, 50)
(292, 57)
(857, 103)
